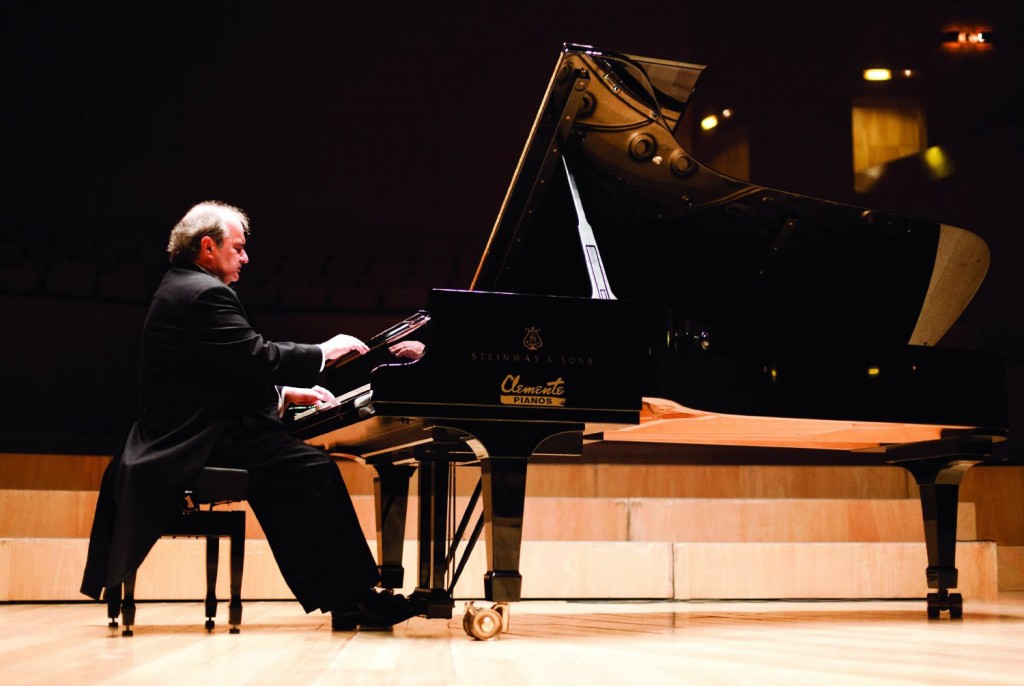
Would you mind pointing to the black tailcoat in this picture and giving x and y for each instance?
(204, 371)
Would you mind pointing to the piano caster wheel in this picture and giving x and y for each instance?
(127, 631)
(943, 600)
(956, 606)
(234, 630)
(484, 624)
(209, 625)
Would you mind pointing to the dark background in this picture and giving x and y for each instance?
(369, 130)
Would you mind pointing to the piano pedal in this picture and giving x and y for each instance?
(944, 601)
(483, 623)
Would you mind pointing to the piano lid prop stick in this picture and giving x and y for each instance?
(599, 288)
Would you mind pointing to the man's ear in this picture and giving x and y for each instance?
(206, 244)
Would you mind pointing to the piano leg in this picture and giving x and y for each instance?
(503, 471)
(434, 466)
(938, 467)
(391, 497)
(504, 480)
(939, 483)
(503, 484)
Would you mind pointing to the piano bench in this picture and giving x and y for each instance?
(215, 486)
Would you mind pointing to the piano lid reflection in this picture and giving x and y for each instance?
(798, 330)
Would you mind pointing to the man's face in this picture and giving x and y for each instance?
(225, 260)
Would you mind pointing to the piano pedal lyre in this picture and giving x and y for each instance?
(485, 623)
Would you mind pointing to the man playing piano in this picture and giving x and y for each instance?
(211, 393)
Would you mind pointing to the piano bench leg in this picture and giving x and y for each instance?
(237, 563)
(112, 596)
(128, 606)
(212, 565)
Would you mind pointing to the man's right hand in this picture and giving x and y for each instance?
(341, 344)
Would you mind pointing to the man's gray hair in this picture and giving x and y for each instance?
(205, 219)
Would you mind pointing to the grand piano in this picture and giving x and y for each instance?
(635, 306)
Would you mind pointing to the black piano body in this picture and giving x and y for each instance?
(739, 303)
(506, 378)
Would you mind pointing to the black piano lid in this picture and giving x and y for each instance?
(714, 249)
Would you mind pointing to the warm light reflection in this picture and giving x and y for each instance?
(874, 371)
(938, 162)
(877, 74)
(967, 38)
(709, 122)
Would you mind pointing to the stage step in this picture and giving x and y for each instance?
(49, 569)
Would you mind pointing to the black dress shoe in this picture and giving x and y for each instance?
(375, 610)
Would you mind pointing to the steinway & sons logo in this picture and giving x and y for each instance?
(532, 340)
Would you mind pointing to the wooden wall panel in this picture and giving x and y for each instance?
(1011, 568)
(544, 519)
(550, 480)
(825, 570)
(50, 570)
(46, 514)
(597, 570)
(998, 494)
(52, 472)
(803, 520)
(68, 514)
(44, 569)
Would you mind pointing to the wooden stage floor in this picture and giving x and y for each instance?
(556, 642)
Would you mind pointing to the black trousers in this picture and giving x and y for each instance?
(300, 500)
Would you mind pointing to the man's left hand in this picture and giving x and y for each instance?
(411, 349)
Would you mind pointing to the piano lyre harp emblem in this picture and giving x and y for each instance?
(532, 339)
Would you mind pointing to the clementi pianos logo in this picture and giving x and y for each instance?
(543, 394)
(532, 340)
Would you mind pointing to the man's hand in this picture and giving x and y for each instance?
(341, 344)
(411, 349)
(305, 396)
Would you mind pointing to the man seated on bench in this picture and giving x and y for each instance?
(210, 393)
